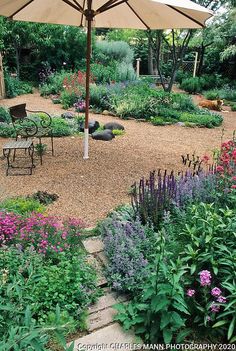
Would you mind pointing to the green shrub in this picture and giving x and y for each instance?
(4, 115)
(118, 132)
(168, 113)
(22, 206)
(30, 280)
(158, 121)
(209, 120)
(212, 94)
(198, 84)
(68, 99)
(7, 130)
(192, 85)
(61, 127)
(104, 74)
(54, 83)
(233, 107)
(15, 87)
(226, 93)
(108, 51)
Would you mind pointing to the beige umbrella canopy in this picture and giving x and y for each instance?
(136, 14)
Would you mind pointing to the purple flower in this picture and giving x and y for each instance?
(222, 299)
(215, 308)
(191, 292)
(208, 318)
(216, 292)
(205, 278)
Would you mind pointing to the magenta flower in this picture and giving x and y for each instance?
(215, 308)
(216, 292)
(205, 278)
(191, 292)
(222, 299)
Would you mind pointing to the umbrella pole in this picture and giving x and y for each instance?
(88, 69)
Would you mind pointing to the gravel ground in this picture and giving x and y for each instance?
(90, 189)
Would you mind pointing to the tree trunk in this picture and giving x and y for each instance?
(17, 50)
(150, 56)
(201, 60)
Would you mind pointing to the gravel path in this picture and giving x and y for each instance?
(90, 189)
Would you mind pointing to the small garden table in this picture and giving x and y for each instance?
(19, 145)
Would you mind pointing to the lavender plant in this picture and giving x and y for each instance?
(128, 247)
(161, 192)
(153, 197)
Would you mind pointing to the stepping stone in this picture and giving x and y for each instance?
(97, 266)
(100, 319)
(106, 338)
(93, 245)
(104, 302)
(114, 125)
(102, 257)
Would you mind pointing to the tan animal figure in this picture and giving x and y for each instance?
(215, 105)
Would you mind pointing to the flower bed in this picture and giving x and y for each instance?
(46, 283)
(188, 293)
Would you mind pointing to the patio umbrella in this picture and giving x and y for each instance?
(136, 14)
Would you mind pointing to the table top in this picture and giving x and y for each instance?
(18, 144)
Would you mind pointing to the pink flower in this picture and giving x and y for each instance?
(215, 308)
(222, 299)
(234, 178)
(216, 292)
(191, 292)
(208, 318)
(233, 186)
(220, 169)
(205, 278)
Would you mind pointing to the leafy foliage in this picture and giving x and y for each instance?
(22, 206)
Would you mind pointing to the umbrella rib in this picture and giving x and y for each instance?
(105, 6)
(21, 8)
(79, 6)
(72, 5)
(111, 6)
(184, 14)
(82, 16)
(137, 15)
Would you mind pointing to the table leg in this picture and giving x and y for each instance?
(6, 154)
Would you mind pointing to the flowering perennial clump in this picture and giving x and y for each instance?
(216, 293)
(205, 278)
(80, 106)
(227, 164)
(46, 234)
(9, 223)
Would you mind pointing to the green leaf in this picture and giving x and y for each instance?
(177, 319)
(167, 335)
(231, 328)
(120, 308)
(180, 307)
(158, 303)
(219, 324)
(165, 320)
(182, 335)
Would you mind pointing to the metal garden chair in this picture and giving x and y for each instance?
(37, 125)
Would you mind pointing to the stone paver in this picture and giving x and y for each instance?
(100, 319)
(103, 258)
(101, 279)
(105, 301)
(106, 338)
(93, 245)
